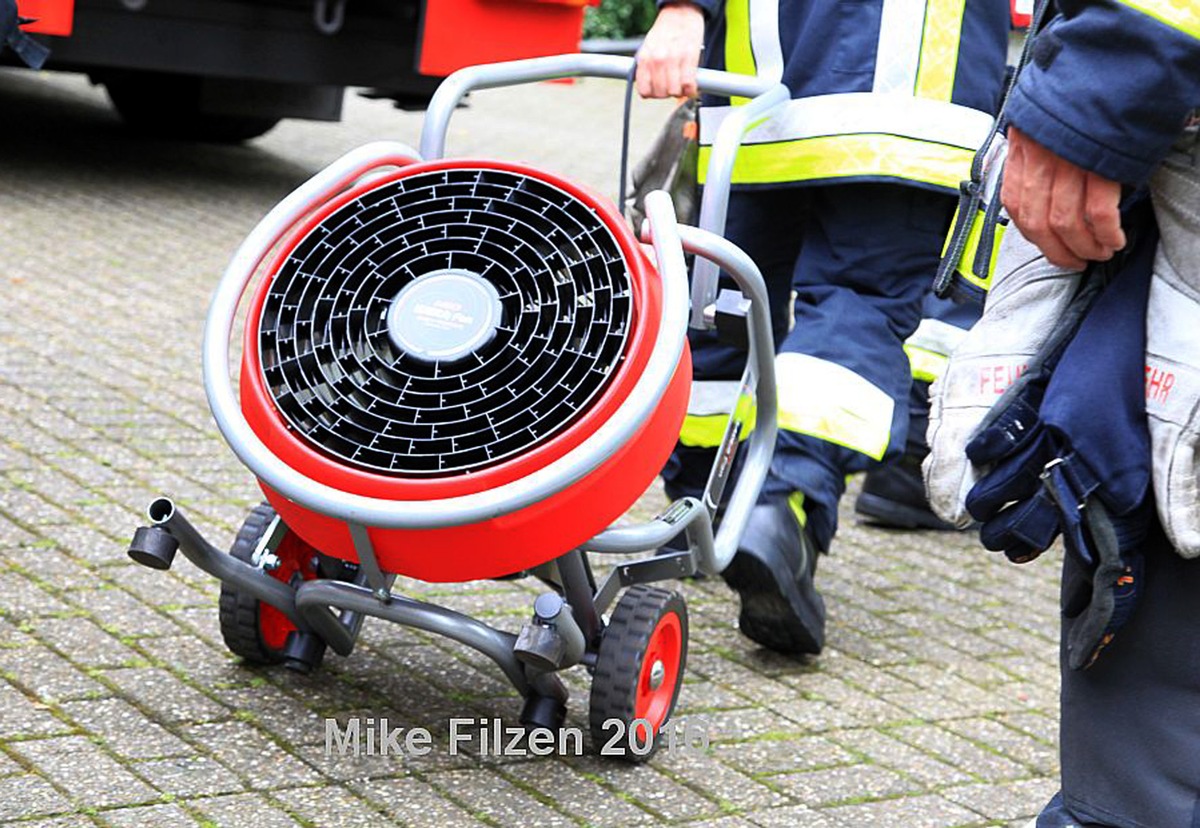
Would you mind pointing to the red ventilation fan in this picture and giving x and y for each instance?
(448, 329)
(458, 370)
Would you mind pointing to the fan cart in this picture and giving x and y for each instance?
(456, 370)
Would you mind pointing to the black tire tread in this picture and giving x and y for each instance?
(238, 611)
(619, 662)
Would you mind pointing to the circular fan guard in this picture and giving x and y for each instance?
(363, 392)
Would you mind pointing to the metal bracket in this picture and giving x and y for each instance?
(264, 556)
(376, 580)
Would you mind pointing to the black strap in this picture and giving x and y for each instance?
(971, 191)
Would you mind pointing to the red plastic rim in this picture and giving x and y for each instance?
(296, 558)
(270, 426)
(666, 647)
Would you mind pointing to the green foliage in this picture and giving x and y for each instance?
(619, 19)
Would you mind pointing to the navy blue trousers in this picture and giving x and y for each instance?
(860, 259)
(1130, 728)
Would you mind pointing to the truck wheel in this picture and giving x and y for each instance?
(168, 106)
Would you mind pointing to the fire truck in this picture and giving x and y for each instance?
(228, 70)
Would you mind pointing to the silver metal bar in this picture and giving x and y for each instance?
(389, 514)
(760, 446)
(314, 598)
(509, 73)
(628, 540)
(714, 203)
(221, 565)
(367, 561)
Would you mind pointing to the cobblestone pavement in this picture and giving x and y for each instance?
(934, 704)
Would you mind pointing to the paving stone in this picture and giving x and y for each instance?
(486, 793)
(125, 730)
(651, 790)
(900, 757)
(582, 798)
(331, 807)
(189, 776)
(20, 717)
(800, 816)
(832, 786)
(1016, 800)
(83, 642)
(88, 774)
(967, 756)
(152, 816)
(783, 755)
(249, 753)
(716, 780)
(238, 810)
(28, 796)
(915, 812)
(172, 701)
(49, 676)
(415, 803)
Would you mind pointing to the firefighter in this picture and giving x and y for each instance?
(1106, 106)
(893, 494)
(843, 201)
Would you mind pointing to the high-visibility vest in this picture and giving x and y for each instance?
(882, 90)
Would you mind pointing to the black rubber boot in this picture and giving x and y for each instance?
(894, 496)
(773, 573)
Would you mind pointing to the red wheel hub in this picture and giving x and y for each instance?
(297, 561)
(660, 672)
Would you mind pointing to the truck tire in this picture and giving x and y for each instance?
(168, 106)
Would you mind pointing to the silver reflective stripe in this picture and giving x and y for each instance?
(936, 336)
(852, 113)
(764, 39)
(899, 54)
(710, 397)
(831, 402)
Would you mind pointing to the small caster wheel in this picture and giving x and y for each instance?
(639, 671)
(258, 632)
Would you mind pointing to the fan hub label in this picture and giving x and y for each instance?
(444, 315)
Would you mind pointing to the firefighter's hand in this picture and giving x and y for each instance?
(670, 53)
(1069, 213)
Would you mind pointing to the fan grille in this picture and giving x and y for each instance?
(359, 393)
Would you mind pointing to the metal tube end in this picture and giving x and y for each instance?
(161, 510)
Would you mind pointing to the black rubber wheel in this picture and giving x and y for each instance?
(166, 105)
(256, 631)
(639, 670)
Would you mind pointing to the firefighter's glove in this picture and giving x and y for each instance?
(1102, 576)
(1024, 311)
(1173, 356)
(1015, 517)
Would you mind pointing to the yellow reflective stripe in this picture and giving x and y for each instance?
(926, 366)
(843, 156)
(939, 49)
(847, 410)
(796, 504)
(739, 54)
(1183, 15)
(707, 430)
(965, 267)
